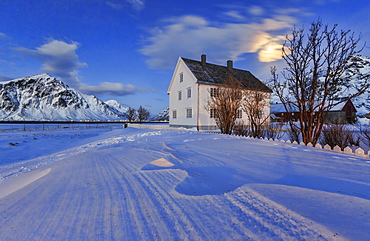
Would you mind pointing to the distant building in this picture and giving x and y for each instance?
(344, 112)
(192, 84)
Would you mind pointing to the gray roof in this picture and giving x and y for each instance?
(215, 74)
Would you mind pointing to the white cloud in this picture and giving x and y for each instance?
(60, 59)
(110, 88)
(120, 4)
(116, 6)
(235, 15)
(3, 35)
(256, 10)
(190, 36)
(136, 4)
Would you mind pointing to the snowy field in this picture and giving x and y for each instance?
(131, 184)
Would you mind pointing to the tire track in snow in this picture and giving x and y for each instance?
(179, 217)
(271, 221)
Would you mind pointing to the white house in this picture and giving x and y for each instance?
(191, 85)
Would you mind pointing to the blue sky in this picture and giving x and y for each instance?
(127, 49)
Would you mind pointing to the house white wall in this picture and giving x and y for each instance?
(181, 106)
(206, 123)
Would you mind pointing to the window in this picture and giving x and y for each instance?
(174, 114)
(181, 77)
(213, 92)
(240, 95)
(189, 92)
(180, 95)
(239, 114)
(189, 113)
(259, 114)
(212, 113)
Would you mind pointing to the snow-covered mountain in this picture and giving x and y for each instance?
(119, 107)
(163, 115)
(45, 98)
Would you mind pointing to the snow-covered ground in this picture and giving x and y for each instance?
(131, 184)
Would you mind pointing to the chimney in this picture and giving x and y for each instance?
(230, 65)
(203, 59)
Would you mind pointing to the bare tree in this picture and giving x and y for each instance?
(275, 131)
(224, 102)
(142, 114)
(254, 105)
(340, 135)
(316, 74)
(240, 128)
(365, 133)
(131, 114)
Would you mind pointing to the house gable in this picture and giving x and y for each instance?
(183, 97)
(180, 67)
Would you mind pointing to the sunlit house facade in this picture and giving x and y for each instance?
(192, 84)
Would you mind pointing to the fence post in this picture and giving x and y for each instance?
(360, 152)
(337, 149)
(327, 147)
(318, 146)
(348, 150)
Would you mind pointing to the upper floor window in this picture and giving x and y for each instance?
(213, 92)
(180, 95)
(239, 95)
(174, 114)
(212, 113)
(189, 113)
(239, 114)
(181, 77)
(189, 92)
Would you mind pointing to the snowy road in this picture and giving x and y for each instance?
(178, 185)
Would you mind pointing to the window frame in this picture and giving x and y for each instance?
(212, 113)
(189, 113)
(239, 114)
(213, 92)
(188, 92)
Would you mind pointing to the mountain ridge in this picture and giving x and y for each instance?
(44, 98)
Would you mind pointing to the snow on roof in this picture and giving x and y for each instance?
(279, 107)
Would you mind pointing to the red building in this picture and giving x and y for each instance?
(344, 112)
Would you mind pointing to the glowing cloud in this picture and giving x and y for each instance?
(270, 53)
(189, 36)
